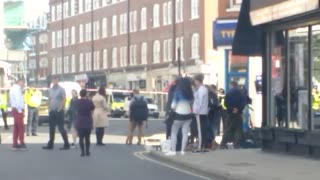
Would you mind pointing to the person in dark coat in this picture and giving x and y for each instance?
(235, 102)
(213, 116)
(84, 122)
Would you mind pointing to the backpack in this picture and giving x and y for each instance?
(139, 110)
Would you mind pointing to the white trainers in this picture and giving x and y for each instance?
(182, 153)
(171, 153)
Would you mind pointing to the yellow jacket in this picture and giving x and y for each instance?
(315, 101)
(33, 98)
(4, 101)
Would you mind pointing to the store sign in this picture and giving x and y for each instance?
(223, 32)
(81, 77)
(282, 10)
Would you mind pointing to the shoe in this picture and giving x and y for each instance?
(182, 153)
(7, 128)
(22, 147)
(14, 147)
(27, 134)
(47, 148)
(171, 153)
(88, 154)
(34, 134)
(65, 148)
(82, 155)
(223, 147)
(101, 144)
(73, 145)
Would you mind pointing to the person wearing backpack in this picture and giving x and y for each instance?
(138, 114)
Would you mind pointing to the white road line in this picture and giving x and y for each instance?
(172, 167)
(138, 155)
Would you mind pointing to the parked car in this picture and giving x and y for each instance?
(152, 107)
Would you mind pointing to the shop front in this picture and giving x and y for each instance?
(287, 36)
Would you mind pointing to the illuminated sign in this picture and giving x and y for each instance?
(223, 32)
(282, 10)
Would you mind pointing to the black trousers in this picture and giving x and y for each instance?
(99, 135)
(57, 119)
(84, 139)
(4, 117)
(233, 132)
(204, 131)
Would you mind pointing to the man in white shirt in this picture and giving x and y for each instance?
(17, 105)
(200, 109)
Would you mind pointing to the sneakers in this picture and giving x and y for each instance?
(21, 147)
(73, 145)
(182, 153)
(171, 153)
(65, 148)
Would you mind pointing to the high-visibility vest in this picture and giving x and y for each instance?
(4, 101)
(35, 99)
(315, 101)
(222, 98)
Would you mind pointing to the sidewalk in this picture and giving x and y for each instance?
(246, 165)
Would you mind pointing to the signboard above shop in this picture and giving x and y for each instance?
(223, 32)
(280, 10)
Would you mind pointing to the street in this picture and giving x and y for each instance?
(115, 161)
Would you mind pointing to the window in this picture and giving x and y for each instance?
(156, 52)
(234, 5)
(73, 63)
(144, 55)
(59, 65)
(104, 27)
(194, 9)
(88, 5)
(65, 9)
(81, 33)
(114, 58)
(143, 18)
(96, 4)
(59, 38)
(156, 9)
(66, 64)
(133, 21)
(66, 37)
(165, 13)
(88, 32)
(72, 3)
(73, 35)
(53, 13)
(88, 61)
(59, 12)
(105, 59)
(179, 11)
(169, 12)
(123, 23)
(96, 27)
(53, 66)
(53, 39)
(81, 63)
(133, 55)
(80, 6)
(105, 2)
(114, 25)
(123, 56)
(167, 48)
(96, 62)
(195, 46)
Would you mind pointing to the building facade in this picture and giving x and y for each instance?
(130, 44)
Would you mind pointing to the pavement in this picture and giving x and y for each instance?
(115, 161)
(252, 164)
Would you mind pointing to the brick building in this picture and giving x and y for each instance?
(132, 43)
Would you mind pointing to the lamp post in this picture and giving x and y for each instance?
(92, 37)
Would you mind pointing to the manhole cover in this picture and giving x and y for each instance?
(240, 164)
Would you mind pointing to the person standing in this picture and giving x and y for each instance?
(17, 105)
(3, 106)
(100, 114)
(213, 116)
(200, 109)
(84, 122)
(138, 114)
(235, 102)
(182, 114)
(57, 98)
(72, 113)
(169, 113)
(33, 101)
(223, 111)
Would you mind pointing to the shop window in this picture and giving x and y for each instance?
(298, 60)
(315, 104)
(278, 100)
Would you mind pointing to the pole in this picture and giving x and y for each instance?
(62, 34)
(179, 61)
(128, 33)
(174, 30)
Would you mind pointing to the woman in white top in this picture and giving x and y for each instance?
(182, 108)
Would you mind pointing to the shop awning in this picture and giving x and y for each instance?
(248, 39)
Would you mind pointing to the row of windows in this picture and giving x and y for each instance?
(85, 31)
(85, 59)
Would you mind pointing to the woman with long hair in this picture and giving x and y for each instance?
(182, 108)
(84, 122)
(100, 114)
(72, 112)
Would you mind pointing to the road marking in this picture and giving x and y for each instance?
(141, 154)
(138, 155)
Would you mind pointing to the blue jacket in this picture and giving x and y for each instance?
(235, 99)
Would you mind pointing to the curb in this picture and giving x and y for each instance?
(214, 174)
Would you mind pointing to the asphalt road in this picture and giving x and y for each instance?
(115, 161)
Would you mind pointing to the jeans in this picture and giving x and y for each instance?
(33, 118)
(84, 139)
(185, 125)
(202, 124)
(18, 127)
(99, 135)
(233, 132)
(56, 118)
